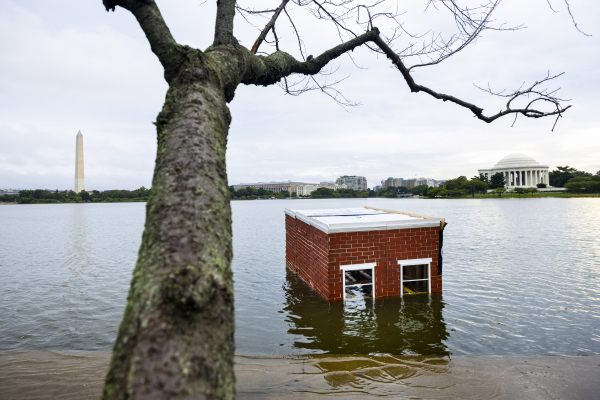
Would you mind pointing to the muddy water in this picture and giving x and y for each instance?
(521, 277)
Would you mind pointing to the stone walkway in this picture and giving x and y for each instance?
(79, 375)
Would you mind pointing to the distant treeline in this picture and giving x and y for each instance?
(249, 193)
(574, 180)
(390, 192)
(40, 196)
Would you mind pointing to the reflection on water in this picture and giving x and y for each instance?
(65, 271)
(412, 325)
(366, 373)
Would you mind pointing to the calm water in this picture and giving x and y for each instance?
(521, 276)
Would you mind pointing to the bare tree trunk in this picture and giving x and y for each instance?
(176, 337)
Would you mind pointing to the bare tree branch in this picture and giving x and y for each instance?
(470, 23)
(269, 70)
(276, 39)
(224, 23)
(573, 18)
(270, 24)
(527, 111)
(297, 34)
(159, 36)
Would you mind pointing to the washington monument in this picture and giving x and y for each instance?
(79, 184)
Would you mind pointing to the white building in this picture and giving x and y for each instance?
(425, 181)
(352, 182)
(276, 187)
(306, 190)
(332, 185)
(519, 170)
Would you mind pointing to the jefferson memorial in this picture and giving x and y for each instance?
(519, 170)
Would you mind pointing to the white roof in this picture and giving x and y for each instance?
(359, 219)
(518, 160)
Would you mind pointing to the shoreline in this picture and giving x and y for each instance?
(45, 374)
(509, 196)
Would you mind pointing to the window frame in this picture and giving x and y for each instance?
(417, 261)
(355, 267)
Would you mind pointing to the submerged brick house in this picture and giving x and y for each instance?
(368, 252)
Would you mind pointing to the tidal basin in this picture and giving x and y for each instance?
(521, 278)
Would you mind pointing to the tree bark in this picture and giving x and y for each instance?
(176, 339)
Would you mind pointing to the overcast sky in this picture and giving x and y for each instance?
(67, 65)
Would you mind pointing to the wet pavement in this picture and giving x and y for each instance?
(41, 374)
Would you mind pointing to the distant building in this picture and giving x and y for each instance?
(519, 170)
(392, 182)
(306, 190)
(409, 183)
(376, 187)
(276, 187)
(352, 182)
(332, 185)
(13, 192)
(425, 181)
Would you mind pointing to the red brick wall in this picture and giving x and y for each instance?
(316, 257)
(311, 253)
(410, 244)
(290, 243)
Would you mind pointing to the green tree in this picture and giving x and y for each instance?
(541, 185)
(499, 191)
(474, 186)
(482, 178)
(583, 186)
(576, 187)
(453, 184)
(561, 175)
(531, 190)
(390, 194)
(438, 192)
(519, 190)
(497, 180)
(323, 193)
(419, 190)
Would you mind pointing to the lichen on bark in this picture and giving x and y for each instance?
(176, 337)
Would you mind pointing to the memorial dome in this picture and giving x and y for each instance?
(516, 160)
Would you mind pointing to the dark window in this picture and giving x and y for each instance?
(411, 272)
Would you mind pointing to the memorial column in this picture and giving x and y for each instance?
(521, 177)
